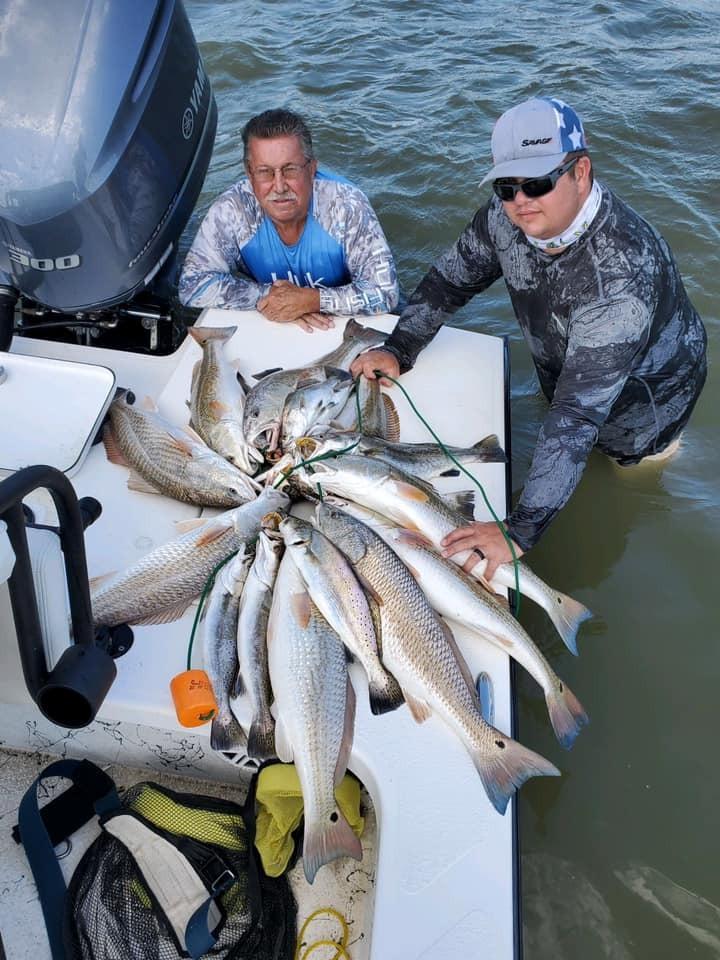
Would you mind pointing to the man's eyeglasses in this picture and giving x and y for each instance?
(289, 171)
(533, 187)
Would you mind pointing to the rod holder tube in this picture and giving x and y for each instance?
(71, 694)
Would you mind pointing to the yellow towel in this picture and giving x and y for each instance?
(280, 809)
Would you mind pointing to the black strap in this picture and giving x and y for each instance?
(72, 809)
(38, 845)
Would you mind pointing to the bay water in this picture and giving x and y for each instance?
(620, 855)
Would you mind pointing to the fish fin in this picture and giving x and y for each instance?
(305, 382)
(235, 364)
(184, 526)
(140, 484)
(419, 709)
(326, 842)
(261, 738)
(414, 538)
(392, 433)
(450, 472)
(486, 696)
(489, 450)
(347, 735)
(352, 329)
(95, 582)
(374, 607)
(226, 734)
(193, 434)
(182, 444)
(112, 449)
(149, 404)
(301, 609)
(408, 491)
(238, 687)
(218, 407)
(166, 615)
(283, 747)
(507, 769)
(385, 696)
(337, 373)
(212, 534)
(567, 615)
(266, 373)
(202, 335)
(452, 643)
(463, 501)
(369, 589)
(567, 715)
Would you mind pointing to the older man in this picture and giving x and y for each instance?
(619, 349)
(295, 243)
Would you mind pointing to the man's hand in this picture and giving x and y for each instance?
(382, 360)
(285, 302)
(310, 322)
(485, 537)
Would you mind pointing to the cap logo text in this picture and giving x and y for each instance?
(532, 143)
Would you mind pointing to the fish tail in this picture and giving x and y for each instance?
(385, 694)
(489, 450)
(567, 615)
(567, 715)
(226, 734)
(325, 842)
(203, 334)
(508, 768)
(352, 329)
(261, 738)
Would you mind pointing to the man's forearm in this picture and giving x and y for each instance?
(215, 289)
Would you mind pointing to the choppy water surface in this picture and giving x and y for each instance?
(621, 853)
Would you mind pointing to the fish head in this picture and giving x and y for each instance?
(268, 551)
(237, 486)
(315, 404)
(260, 425)
(325, 445)
(346, 475)
(295, 532)
(347, 533)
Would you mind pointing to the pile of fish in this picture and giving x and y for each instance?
(291, 599)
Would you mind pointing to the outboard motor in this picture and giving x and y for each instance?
(106, 132)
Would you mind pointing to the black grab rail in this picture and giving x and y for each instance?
(71, 693)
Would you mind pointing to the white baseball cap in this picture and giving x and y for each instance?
(533, 138)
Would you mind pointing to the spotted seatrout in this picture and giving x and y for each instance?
(420, 652)
(265, 401)
(336, 592)
(426, 461)
(371, 412)
(219, 633)
(253, 677)
(314, 405)
(160, 586)
(315, 705)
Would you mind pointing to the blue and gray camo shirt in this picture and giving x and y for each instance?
(619, 349)
(237, 253)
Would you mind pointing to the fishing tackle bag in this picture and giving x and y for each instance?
(171, 874)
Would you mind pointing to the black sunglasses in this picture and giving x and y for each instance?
(535, 186)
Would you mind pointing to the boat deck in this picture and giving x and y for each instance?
(444, 863)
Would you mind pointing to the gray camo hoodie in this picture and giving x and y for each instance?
(619, 350)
